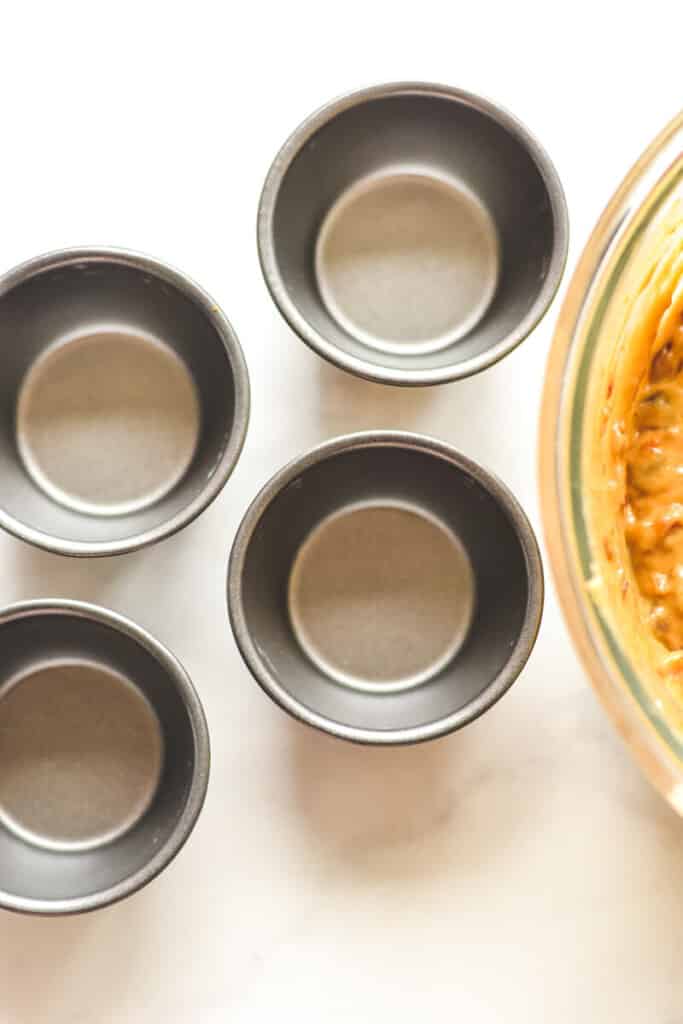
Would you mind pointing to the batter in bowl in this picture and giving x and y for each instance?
(634, 458)
(654, 483)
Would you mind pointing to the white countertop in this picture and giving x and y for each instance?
(518, 871)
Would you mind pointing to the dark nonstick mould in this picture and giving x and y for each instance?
(313, 679)
(412, 233)
(104, 762)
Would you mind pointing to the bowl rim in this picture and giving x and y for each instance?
(202, 300)
(606, 244)
(424, 445)
(200, 774)
(354, 364)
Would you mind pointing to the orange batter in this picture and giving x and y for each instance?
(632, 459)
(653, 513)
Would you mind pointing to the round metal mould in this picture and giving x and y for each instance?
(124, 401)
(384, 588)
(104, 761)
(412, 233)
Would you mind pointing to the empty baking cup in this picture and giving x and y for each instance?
(125, 401)
(385, 588)
(412, 233)
(104, 757)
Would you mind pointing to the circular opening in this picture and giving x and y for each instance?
(108, 420)
(80, 755)
(407, 261)
(412, 233)
(381, 596)
(384, 588)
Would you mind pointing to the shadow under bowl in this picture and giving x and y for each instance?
(385, 588)
(412, 233)
(124, 401)
(104, 760)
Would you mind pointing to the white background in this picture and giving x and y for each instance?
(518, 871)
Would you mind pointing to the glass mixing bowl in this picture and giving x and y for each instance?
(602, 609)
